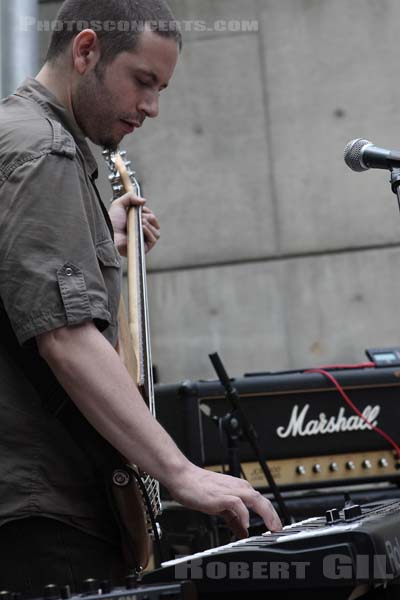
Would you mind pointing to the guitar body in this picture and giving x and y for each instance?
(132, 519)
(135, 494)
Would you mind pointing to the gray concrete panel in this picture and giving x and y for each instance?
(214, 9)
(277, 315)
(215, 18)
(330, 73)
(47, 13)
(339, 305)
(203, 163)
(236, 311)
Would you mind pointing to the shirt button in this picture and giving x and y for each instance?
(68, 271)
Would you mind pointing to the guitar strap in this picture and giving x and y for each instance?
(103, 208)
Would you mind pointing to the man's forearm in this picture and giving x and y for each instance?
(93, 375)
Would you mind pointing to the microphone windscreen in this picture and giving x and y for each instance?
(353, 154)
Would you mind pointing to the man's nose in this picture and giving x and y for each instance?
(150, 105)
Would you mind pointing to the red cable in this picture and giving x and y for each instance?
(365, 365)
(341, 391)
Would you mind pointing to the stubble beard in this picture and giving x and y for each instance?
(92, 106)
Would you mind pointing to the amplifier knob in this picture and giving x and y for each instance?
(382, 462)
(332, 516)
(350, 466)
(333, 467)
(350, 512)
(316, 468)
(366, 464)
(300, 470)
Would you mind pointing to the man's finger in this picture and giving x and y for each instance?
(150, 216)
(259, 504)
(129, 199)
(149, 234)
(233, 505)
(154, 230)
(264, 508)
(234, 524)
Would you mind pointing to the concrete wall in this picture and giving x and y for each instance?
(273, 252)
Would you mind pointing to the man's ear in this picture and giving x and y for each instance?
(85, 51)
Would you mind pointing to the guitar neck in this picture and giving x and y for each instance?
(135, 330)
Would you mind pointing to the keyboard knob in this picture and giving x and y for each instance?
(333, 467)
(51, 592)
(316, 468)
(382, 462)
(366, 464)
(65, 592)
(332, 516)
(132, 582)
(90, 586)
(106, 586)
(300, 470)
(350, 466)
(351, 512)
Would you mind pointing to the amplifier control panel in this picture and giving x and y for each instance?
(313, 471)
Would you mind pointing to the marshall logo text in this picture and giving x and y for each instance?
(323, 425)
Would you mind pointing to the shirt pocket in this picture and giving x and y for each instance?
(110, 266)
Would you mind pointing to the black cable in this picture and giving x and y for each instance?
(249, 432)
(218, 420)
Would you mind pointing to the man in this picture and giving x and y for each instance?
(59, 290)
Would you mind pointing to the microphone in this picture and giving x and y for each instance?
(361, 155)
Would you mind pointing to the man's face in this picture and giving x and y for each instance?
(111, 102)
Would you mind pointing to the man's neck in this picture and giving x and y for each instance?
(60, 89)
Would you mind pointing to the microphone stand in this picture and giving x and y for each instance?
(231, 425)
(395, 183)
(249, 432)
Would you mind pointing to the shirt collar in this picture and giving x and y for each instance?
(32, 89)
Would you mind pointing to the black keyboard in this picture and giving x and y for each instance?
(355, 548)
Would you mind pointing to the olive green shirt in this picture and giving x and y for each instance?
(58, 267)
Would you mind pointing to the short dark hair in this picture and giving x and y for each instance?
(117, 23)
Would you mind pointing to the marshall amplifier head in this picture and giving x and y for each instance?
(307, 433)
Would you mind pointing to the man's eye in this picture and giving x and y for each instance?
(143, 83)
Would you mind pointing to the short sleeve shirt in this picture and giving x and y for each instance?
(58, 267)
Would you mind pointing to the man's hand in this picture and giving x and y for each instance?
(118, 215)
(229, 497)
